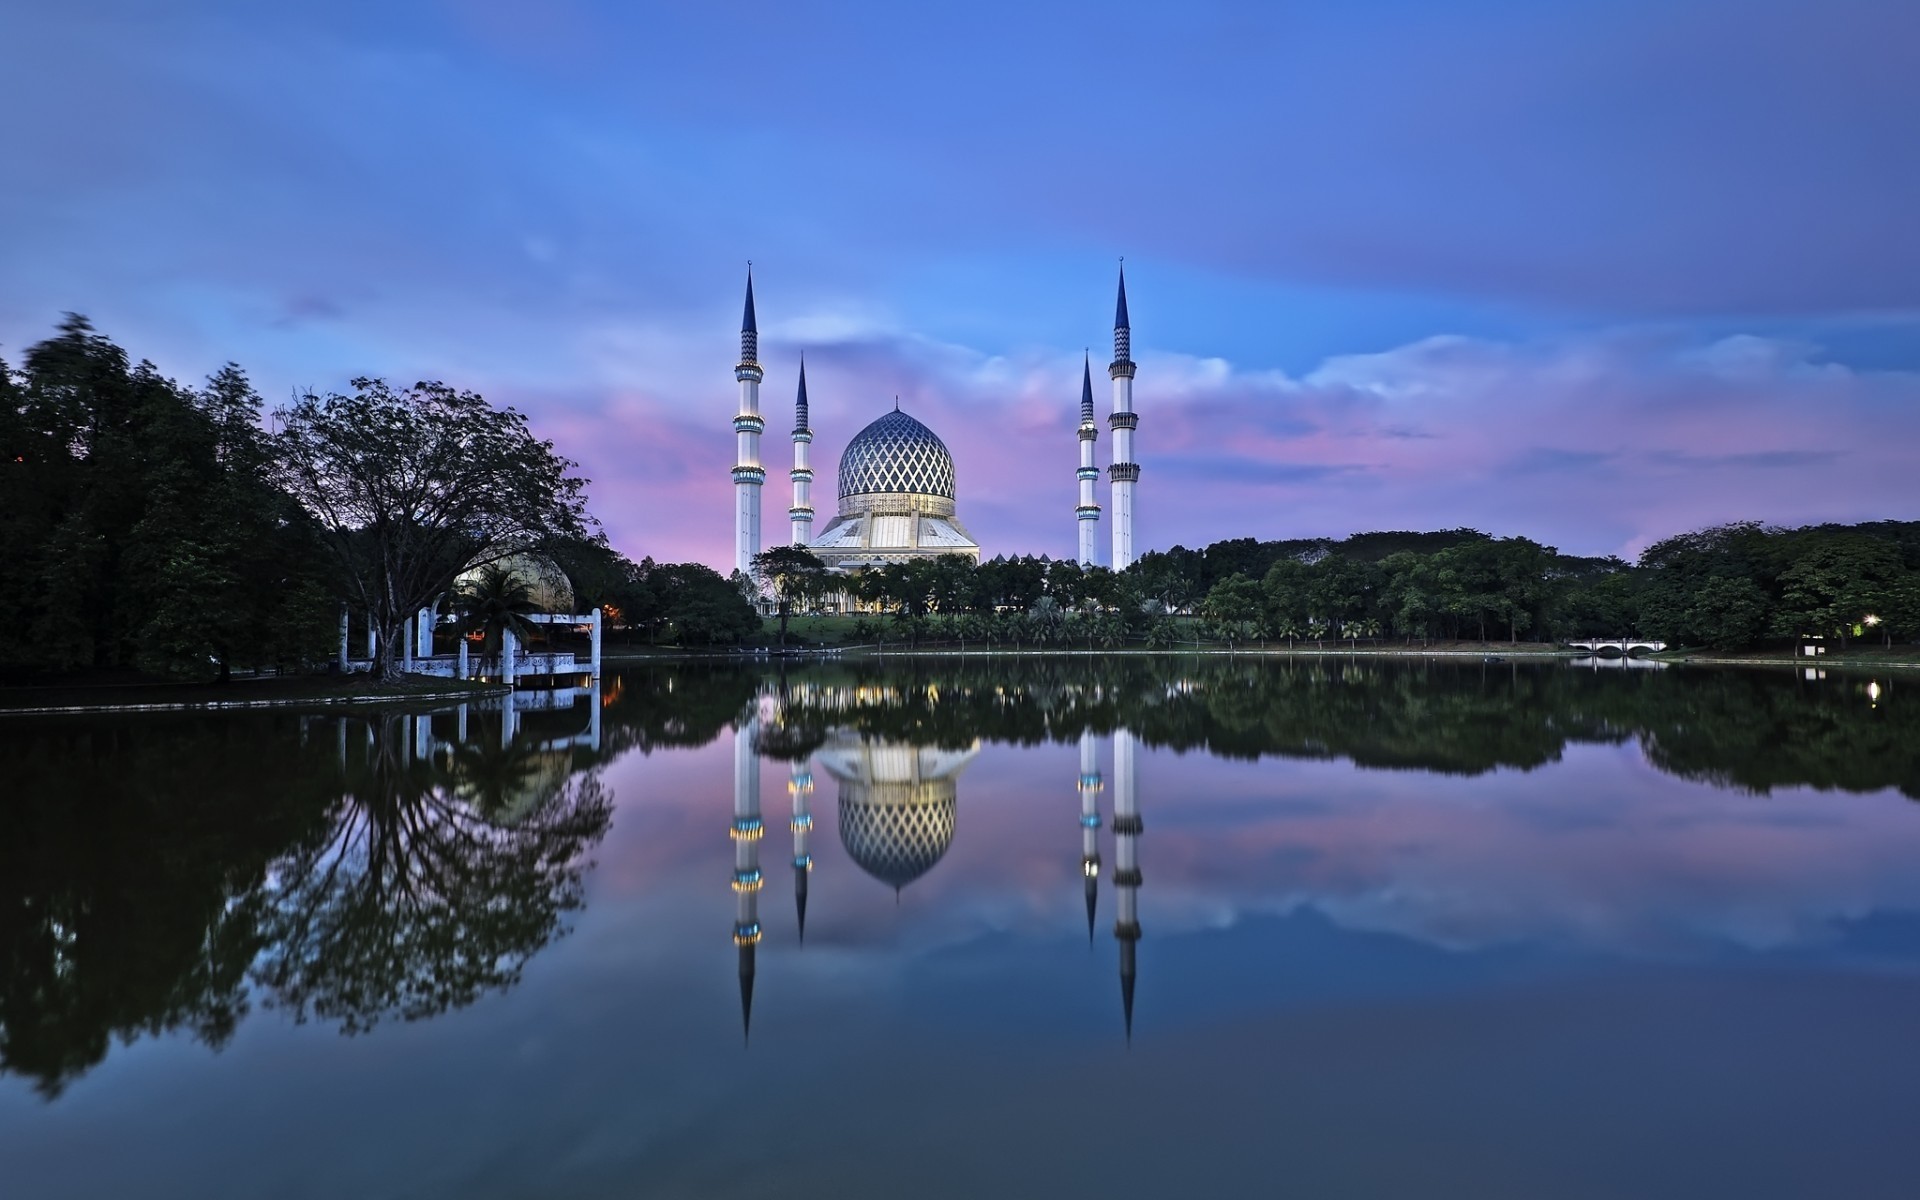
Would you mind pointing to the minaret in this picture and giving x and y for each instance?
(1124, 471)
(801, 786)
(746, 861)
(748, 475)
(1090, 822)
(1126, 866)
(1088, 511)
(801, 514)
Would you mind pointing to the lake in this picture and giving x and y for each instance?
(1109, 926)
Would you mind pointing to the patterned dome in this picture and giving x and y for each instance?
(897, 841)
(896, 454)
(897, 802)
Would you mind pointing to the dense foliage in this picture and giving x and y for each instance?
(1731, 587)
(411, 487)
(139, 524)
(150, 527)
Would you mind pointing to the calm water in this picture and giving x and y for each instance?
(1404, 929)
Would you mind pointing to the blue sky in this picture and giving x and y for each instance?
(1592, 272)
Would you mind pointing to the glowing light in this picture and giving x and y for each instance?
(1873, 692)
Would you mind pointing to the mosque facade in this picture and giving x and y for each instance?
(897, 487)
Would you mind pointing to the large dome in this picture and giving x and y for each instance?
(896, 454)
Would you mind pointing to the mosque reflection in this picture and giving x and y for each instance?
(897, 812)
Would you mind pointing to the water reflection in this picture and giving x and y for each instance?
(442, 867)
(168, 873)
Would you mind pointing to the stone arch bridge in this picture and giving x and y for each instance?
(1621, 646)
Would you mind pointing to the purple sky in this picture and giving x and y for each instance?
(1594, 273)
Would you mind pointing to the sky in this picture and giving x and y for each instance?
(1594, 273)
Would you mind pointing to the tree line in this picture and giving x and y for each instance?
(1729, 587)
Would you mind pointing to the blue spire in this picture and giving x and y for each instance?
(1119, 309)
(1086, 390)
(747, 324)
(800, 403)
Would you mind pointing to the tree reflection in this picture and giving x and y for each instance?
(160, 875)
(1755, 730)
(422, 895)
(132, 862)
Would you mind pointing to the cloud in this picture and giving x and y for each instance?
(1597, 443)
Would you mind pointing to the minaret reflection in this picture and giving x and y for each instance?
(1090, 823)
(746, 834)
(801, 786)
(1126, 872)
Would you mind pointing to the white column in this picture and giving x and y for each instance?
(426, 620)
(406, 643)
(598, 622)
(748, 474)
(373, 638)
(462, 652)
(1125, 471)
(800, 516)
(343, 639)
(508, 644)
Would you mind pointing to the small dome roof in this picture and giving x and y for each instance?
(896, 454)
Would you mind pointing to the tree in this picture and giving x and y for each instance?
(412, 487)
(703, 608)
(795, 573)
(1833, 585)
(492, 602)
(140, 523)
(1233, 608)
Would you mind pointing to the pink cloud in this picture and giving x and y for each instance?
(1600, 443)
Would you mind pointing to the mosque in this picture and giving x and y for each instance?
(898, 499)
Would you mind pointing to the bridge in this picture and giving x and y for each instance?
(1620, 646)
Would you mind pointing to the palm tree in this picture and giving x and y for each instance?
(494, 600)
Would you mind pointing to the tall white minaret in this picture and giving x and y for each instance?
(746, 833)
(1090, 822)
(1124, 471)
(1089, 509)
(748, 475)
(801, 514)
(1126, 865)
(801, 785)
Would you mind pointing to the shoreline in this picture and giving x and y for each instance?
(315, 700)
(360, 698)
